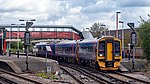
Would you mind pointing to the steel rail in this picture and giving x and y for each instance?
(16, 75)
(143, 81)
(96, 78)
(72, 75)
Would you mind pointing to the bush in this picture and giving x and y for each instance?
(144, 35)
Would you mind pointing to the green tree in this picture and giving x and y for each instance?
(14, 46)
(126, 39)
(97, 29)
(144, 35)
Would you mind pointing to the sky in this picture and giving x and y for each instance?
(78, 13)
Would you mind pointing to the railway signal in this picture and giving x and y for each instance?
(133, 40)
(131, 25)
(27, 38)
(28, 25)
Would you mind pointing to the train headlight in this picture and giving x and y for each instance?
(100, 54)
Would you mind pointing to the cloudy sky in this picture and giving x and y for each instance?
(78, 13)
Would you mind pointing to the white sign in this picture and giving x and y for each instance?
(1, 34)
(48, 48)
(49, 69)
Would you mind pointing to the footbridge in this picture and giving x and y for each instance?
(43, 32)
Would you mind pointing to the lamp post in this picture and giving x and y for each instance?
(9, 41)
(117, 24)
(10, 37)
(29, 23)
(109, 32)
(122, 37)
(104, 29)
(18, 38)
(2, 40)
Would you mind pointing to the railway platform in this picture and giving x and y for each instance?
(136, 66)
(35, 64)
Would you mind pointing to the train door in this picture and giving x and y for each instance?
(109, 54)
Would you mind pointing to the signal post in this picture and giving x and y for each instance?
(133, 41)
(27, 39)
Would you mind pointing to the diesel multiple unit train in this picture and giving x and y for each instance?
(101, 53)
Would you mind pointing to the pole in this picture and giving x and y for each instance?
(10, 42)
(129, 52)
(122, 40)
(2, 43)
(133, 60)
(105, 30)
(117, 24)
(18, 42)
(27, 60)
(46, 62)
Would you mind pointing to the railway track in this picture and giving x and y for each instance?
(106, 77)
(117, 76)
(72, 75)
(133, 79)
(15, 78)
(98, 77)
(82, 77)
(114, 77)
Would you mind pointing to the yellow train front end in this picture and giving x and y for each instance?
(109, 53)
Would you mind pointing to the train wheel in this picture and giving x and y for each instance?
(96, 66)
(92, 63)
(80, 61)
(66, 60)
(84, 63)
(88, 63)
(75, 61)
(62, 59)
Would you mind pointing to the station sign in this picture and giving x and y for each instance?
(49, 69)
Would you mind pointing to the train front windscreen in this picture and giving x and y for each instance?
(101, 51)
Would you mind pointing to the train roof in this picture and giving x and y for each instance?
(67, 42)
(44, 43)
(87, 40)
(104, 37)
(94, 39)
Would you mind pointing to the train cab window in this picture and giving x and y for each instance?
(44, 48)
(101, 49)
(117, 48)
(101, 46)
(40, 48)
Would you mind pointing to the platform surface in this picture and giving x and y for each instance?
(138, 64)
(35, 64)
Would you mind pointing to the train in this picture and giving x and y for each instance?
(103, 53)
